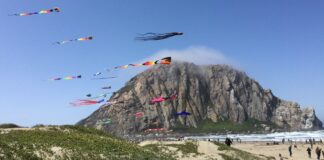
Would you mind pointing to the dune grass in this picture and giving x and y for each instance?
(74, 142)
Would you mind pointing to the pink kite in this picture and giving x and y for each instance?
(161, 99)
(86, 102)
(139, 114)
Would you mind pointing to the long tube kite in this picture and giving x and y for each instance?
(161, 99)
(139, 114)
(183, 113)
(166, 60)
(101, 78)
(104, 95)
(104, 121)
(39, 12)
(157, 36)
(86, 102)
(75, 40)
(155, 130)
(66, 78)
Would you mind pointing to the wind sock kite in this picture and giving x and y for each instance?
(161, 99)
(104, 95)
(75, 40)
(108, 87)
(166, 60)
(103, 121)
(39, 12)
(157, 36)
(139, 114)
(86, 102)
(183, 113)
(155, 130)
(66, 78)
(97, 74)
(103, 78)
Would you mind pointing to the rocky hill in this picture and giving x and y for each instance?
(213, 94)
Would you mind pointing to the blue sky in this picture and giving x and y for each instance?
(278, 43)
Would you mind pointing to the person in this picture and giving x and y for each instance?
(280, 157)
(228, 142)
(290, 150)
(318, 153)
(323, 153)
(309, 152)
(283, 141)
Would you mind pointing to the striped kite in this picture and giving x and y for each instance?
(86, 102)
(103, 121)
(157, 36)
(66, 78)
(107, 87)
(74, 40)
(155, 130)
(183, 113)
(103, 78)
(39, 12)
(139, 114)
(166, 60)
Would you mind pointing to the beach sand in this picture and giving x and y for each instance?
(259, 149)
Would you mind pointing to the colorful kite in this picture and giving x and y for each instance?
(66, 78)
(39, 12)
(104, 95)
(139, 114)
(155, 130)
(103, 121)
(183, 113)
(97, 74)
(74, 40)
(86, 102)
(103, 78)
(166, 60)
(161, 99)
(157, 36)
(107, 87)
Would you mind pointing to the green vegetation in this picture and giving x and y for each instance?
(70, 142)
(235, 153)
(207, 125)
(187, 148)
(9, 125)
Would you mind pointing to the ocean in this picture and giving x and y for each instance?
(294, 136)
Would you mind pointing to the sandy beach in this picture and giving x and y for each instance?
(209, 150)
(298, 153)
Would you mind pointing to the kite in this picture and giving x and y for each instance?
(104, 95)
(39, 12)
(139, 114)
(88, 95)
(108, 87)
(66, 78)
(157, 36)
(103, 78)
(74, 40)
(155, 130)
(166, 60)
(86, 102)
(183, 113)
(161, 99)
(103, 121)
(97, 74)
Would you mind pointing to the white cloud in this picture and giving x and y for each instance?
(198, 55)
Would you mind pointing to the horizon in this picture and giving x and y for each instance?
(278, 44)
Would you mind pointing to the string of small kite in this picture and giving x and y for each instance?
(92, 99)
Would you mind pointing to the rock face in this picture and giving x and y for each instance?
(215, 92)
